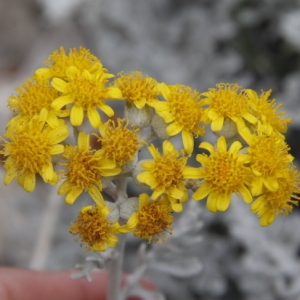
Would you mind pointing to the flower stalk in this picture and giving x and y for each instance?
(115, 270)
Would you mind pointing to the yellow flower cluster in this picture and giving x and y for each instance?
(250, 158)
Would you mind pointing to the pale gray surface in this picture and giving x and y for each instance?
(198, 43)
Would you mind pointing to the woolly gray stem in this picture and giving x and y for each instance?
(115, 270)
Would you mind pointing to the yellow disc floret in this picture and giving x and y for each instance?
(84, 168)
(266, 111)
(183, 111)
(270, 204)
(34, 98)
(29, 151)
(222, 174)
(94, 229)
(118, 142)
(268, 158)
(153, 219)
(58, 62)
(165, 174)
(86, 92)
(228, 101)
(137, 89)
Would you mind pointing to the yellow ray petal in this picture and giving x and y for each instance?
(94, 117)
(76, 116)
(173, 129)
(188, 141)
(96, 195)
(202, 192)
(73, 194)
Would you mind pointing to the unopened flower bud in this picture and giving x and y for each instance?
(228, 130)
(129, 207)
(114, 213)
(159, 126)
(138, 117)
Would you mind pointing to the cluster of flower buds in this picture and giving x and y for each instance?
(250, 157)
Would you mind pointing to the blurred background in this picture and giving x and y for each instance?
(255, 43)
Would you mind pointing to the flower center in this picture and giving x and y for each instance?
(31, 98)
(91, 226)
(168, 170)
(153, 220)
(135, 87)
(228, 101)
(58, 61)
(30, 151)
(268, 154)
(86, 93)
(120, 144)
(224, 173)
(184, 105)
(83, 168)
(280, 201)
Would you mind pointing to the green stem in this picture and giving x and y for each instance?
(115, 270)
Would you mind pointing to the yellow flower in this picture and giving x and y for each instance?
(266, 112)
(227, 101)
(30, 151)
(183, 111)
(222, 174)
(137, 89)
(34, 98)
(271, 204)
(165, 174)
(84, 170)
(152, 219)
(269, 158)
(58, 62)
(86, 92)
(94, 229)
(119, 143)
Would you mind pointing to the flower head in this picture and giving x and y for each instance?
(152, 220)
(86, 92)
(58, 62)
(183, 111)
(228, 101)
(119, 143)
(34, 98)
(84, 169)
(269, 158)
(29, 151)
(94, 229)
(165, 174)
(222, 174)
(137, 89)
(270, 204)
(266, 112)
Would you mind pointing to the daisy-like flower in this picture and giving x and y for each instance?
(85, 92)
(34, 98)
(84, 169)
(266, 111)
(29, 151)
(222, 174)
(271, 204)
(137, 89)
(183, 111)
(152, 220)
(119, 143)
(228, 101)
(269, 159)
(58, 62)
(94, 228)
(166, 174)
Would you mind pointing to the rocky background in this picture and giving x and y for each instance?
(194, 42)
